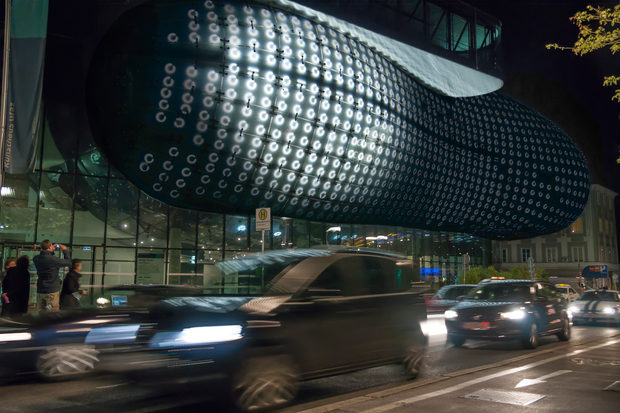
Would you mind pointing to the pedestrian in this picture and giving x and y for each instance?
(49, 283)
(71, 294)
(8, 263)
(16, 288)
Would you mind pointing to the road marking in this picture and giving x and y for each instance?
(530, 382)
(411, 400)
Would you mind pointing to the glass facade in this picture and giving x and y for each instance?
(124, 236)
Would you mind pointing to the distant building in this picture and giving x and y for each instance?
(590, 240)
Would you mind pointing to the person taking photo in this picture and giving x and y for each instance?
(49, 283)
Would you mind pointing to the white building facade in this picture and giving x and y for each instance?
(590, 240)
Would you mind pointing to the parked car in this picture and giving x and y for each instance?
(567, 292)
(447, 297)
(596, 306)
(509, 310)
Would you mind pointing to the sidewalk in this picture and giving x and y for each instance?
(572, 378)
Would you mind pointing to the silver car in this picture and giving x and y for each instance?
(597, 306)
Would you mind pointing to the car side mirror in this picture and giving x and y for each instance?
(541, 298)
(460, 298)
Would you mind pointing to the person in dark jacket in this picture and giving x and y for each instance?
(71, 293)
(16, 288)
(49, 283)
(8, 263)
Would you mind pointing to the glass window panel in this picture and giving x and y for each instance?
(210, 231)
(282, 233)
(90, 161)
(122, 213)
(333, 234)
(236, 233)
(460, 34)
(182, 268)
(438, 27)
(182, 231)
(151, 266)
(120, 254)
(119, 272)
(212, 276)
(55, 204)
(370, 236)
(153, 222)
(58, 152)
(300, 233)
(89, 215)
(317, 233)
(19, 207)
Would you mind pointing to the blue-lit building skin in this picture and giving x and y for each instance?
(232, 106)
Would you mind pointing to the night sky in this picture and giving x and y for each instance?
(527, 26)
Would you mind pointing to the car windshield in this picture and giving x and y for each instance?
(599, 296)
(258, 274)
(562, 290)
(500, 292)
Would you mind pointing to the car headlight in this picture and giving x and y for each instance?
(103, 301)
(609, 310)
(574, 309)
(197, 335)
(14, 337)
(451, 314)
(513, 315)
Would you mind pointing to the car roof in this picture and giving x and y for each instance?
(489, 281)
(459, 285)
(339, 249)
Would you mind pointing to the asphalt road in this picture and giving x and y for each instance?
(109, 393)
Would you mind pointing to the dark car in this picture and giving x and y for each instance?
(70, 344)
(509, 310)
(447, 297)
(261, 325)
(277, 318)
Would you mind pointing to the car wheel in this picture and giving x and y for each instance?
(564, 335)
(457, 341)
(531, 341)
(265, 383)
(63, 362)
(413, 362)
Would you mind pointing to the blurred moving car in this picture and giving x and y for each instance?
(567, 292)
(271, 320)
(447, 297)
(70, 344)
(596, 306)
(509, 310)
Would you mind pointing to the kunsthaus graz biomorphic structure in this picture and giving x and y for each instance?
(227, 107)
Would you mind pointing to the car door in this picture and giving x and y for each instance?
(341, 323)
(572, 294)
(556, 307)
(543, 308)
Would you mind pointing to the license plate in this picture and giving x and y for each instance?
(483, 325)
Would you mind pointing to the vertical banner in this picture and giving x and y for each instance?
(25, 82)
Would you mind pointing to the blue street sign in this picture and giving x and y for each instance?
(595, 271)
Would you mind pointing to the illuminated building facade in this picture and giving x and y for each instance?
(206, 110)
